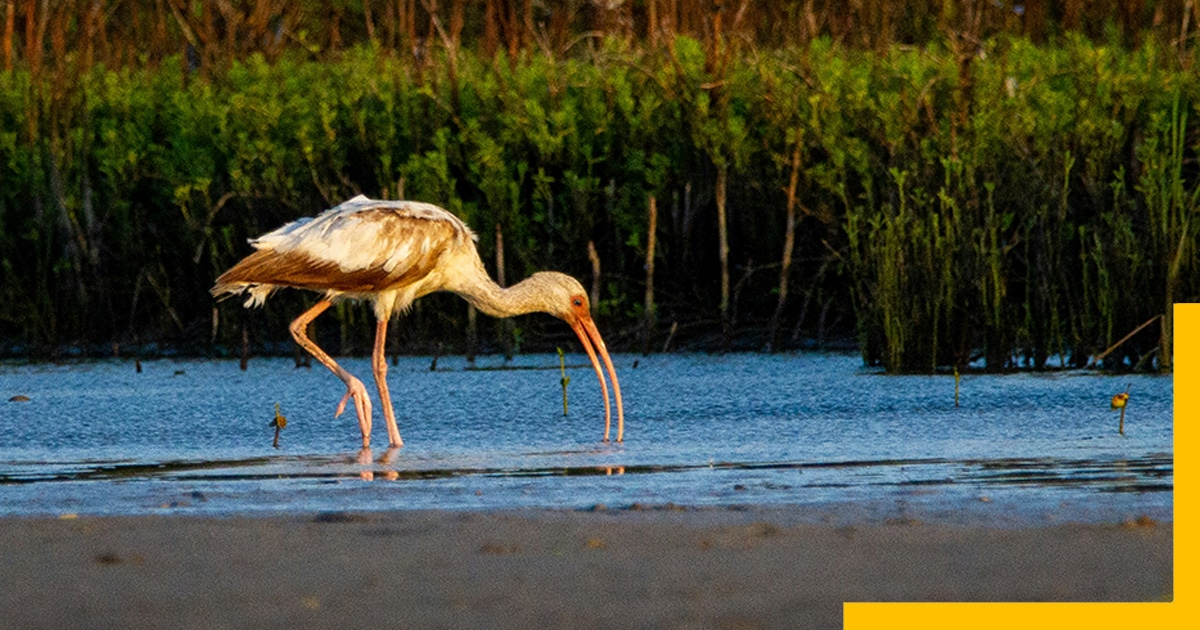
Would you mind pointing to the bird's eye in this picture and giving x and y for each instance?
(578, 302)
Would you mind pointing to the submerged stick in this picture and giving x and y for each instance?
(562, 368)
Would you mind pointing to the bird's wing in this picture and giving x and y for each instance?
(360, 246)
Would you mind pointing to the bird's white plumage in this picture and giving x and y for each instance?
(355, 240)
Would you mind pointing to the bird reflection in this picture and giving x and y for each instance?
(384, 468)
(365, 458)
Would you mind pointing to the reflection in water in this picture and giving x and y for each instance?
(385, 468)
(385, 460)
(1153, 473)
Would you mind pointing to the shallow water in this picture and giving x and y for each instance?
(809, 430)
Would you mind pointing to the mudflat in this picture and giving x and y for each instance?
(757, 568)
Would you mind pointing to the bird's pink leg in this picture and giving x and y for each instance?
(354, 387)
(379, 366)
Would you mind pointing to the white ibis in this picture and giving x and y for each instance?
(391, 253)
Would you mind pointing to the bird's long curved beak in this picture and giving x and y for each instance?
(585, 328)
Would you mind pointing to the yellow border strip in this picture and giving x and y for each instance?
(1094, 616)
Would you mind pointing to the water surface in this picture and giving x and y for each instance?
(808, 430)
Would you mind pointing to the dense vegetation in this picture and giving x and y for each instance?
(952, 186)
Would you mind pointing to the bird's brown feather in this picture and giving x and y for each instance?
(291, 269)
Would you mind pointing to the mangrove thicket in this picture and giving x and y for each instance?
(940, 183)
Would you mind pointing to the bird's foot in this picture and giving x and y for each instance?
(362, 402)
(362, 407)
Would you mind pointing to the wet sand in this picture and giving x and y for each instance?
(547, 569)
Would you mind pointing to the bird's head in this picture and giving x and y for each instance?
(563, 297)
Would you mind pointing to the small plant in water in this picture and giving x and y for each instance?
(279, 422)
(1118, 402)
(562, 368)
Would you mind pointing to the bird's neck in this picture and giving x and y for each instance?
(492, 299)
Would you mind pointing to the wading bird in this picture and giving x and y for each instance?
(391, 253)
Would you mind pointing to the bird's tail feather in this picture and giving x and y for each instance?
(255, 294)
